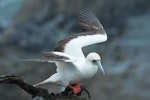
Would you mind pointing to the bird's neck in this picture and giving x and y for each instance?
(89, 69)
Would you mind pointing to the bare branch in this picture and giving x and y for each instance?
(36, 91)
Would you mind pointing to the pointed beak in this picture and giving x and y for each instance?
(98, 62)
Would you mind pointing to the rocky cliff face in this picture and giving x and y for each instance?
(40, 24)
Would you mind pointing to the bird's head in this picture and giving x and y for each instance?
(96, 60)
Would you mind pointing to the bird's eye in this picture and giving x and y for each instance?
(94, 61)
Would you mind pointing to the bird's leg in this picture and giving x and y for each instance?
(76, 87)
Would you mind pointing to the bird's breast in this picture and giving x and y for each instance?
(89, 70)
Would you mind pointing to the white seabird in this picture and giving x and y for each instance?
(72, 65)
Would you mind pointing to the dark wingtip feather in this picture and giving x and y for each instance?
(35, 60)
(88, 21)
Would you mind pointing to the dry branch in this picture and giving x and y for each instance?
(39, 92)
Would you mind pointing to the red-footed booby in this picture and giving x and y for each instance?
(72, 65)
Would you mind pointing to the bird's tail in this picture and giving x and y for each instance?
(53, 79)
(40, 83)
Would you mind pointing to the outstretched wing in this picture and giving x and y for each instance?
(53, 57)
(93, 33)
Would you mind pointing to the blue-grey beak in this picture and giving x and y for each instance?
(98, 62)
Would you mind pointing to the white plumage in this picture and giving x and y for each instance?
(71, 63)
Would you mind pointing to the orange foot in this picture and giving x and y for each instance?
(76, 88)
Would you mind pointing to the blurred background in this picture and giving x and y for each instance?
(30, 27)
